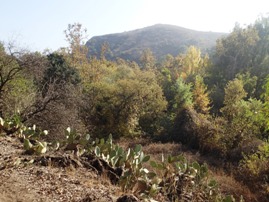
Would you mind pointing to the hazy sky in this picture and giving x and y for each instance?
(39, 24)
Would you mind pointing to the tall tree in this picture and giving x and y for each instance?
(234, 93)
(201, 99)
(192, 60)
(77, 51)
(147, 59)
(235, 52)
(184, 96)
(13, 78)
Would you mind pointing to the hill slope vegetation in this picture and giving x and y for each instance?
(161, 39)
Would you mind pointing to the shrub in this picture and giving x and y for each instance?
(254, 170)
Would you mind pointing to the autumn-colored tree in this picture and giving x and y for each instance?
(193, 63)
(77, 52)
(147, 59)
(75, 36)
(201, 99)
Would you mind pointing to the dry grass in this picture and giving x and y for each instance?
(228, 185)
(159, 148)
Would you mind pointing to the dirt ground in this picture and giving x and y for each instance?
(23, 181)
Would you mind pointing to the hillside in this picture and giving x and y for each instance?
(64, 176)
(161, 39)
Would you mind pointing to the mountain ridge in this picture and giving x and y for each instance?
(161, 39)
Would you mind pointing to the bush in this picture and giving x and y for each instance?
(254, 170)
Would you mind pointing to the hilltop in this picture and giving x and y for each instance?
(161, 39)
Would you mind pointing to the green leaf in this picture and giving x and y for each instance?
(212, 183)
(151, 175)
(196, 166)
(113, 153)
(27, 145)
(102, 141)
(160, 166)
(153, 164)
(138, 148)
(146, 159)
(120, 151)
(97, 151)
(153, 191)
(229, 199)
(109, 140)
(170, 159)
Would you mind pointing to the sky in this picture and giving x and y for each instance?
(40, 24)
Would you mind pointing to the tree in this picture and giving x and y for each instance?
(147, 59)
(57, 99)
(193, 63)
(184, 96)
(244, 118)
(120, 99)
(249, 82)
(15, 83)
(234, 93)
(235, 52)
(201, 100)
(75, 36)
(77, 51)
(59, 71)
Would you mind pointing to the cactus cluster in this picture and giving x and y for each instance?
(29, 135)
(174, 177)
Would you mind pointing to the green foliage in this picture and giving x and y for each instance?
(59, 71)
(245, 118)
(258, 162)
(167, 80)
(181, 180)
(254, 169)
(184, 96)
(234, 93)
(249, 119)
(265, 97)
(20, 96)
(244, 52)
(120, 99)
(249, 82)
(235, 52)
